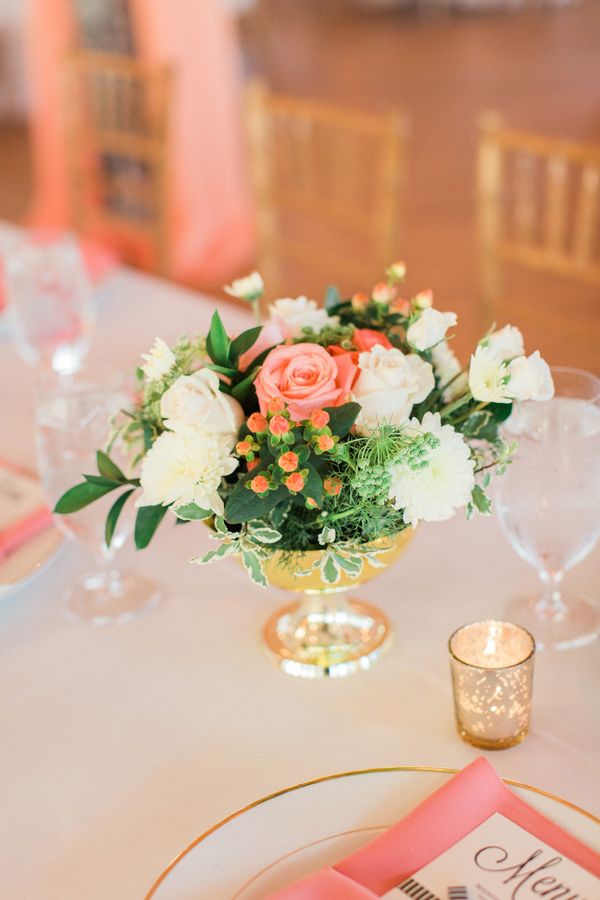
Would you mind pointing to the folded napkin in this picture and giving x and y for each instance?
(23, 513)
(441, 820)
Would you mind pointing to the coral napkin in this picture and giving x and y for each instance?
(444, 818)
(23, 513)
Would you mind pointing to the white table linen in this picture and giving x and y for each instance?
(121, 744)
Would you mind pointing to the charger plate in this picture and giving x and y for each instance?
(293, 832)
(21, 566)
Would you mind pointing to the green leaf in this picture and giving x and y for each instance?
(241, 390)
(192, 512)
(350, 564)
(223, 370)
(500, 411)
(481, 425)
(265, 535)
(217, 341)
(243, 505)
(113, 515)
(330, 570)
(481, 501)
(332, 298)
(147, 521)
(219, 553)
(243, 342)
(254, 568)
(102, 481)
(82, 495)
(108, 468)
(313, 486)
(342, 418)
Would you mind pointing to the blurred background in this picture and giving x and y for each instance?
(320, 140)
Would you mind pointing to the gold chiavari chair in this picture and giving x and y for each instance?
(116, 117)
(328, 186)
(539, 205)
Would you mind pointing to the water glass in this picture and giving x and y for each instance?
(548, 503)
(49, 296)
(73, 421)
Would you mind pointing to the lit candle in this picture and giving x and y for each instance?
(492, 676)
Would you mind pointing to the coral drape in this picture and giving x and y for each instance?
(209, 209)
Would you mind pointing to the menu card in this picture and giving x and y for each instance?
(499, 860)
(22, 509)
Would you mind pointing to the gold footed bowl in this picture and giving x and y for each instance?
(327, 634)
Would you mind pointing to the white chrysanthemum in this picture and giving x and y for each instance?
(294, 314)
(436, 491)
(488, 377)
(185, 468)
(430, 328)
(447, 369)
(159, 361)
(506, 343)
(530, 378)
(249, 288)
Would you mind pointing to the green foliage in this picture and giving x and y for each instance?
(218, 343)
(82, 495)
(147, 521)
(114, 514)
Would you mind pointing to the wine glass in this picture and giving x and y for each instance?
(73, 421)
(49, 309)
(548, 503)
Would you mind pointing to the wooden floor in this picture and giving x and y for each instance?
(539, 69)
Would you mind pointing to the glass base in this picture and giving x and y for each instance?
(110, 599)
(576, 623)
(497, 744)
(327, 638)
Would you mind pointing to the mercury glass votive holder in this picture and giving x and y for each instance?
(492, 679)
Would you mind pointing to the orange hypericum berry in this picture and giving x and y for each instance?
(243, 447)
(319, 418)
(257, 423)
(332, 486)
(400, 305)
(276, 405)
(253, 463)
(325, 442)
(294, 482)
(288, 461)
(279, 425)
(259, 484)
(311, 503)
(360, 300)
(383, 293)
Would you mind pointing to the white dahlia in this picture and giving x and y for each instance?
(295, 313)
(186, 468)
(437, 490)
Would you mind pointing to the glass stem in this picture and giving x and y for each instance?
(106, 575)
(550, 604)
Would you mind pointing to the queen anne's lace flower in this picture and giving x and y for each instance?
(186, 468)
(435, 490)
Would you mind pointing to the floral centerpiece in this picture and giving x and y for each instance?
(312, 445)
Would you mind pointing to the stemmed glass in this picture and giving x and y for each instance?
(73, 421)
(49, 309)
(548, 503)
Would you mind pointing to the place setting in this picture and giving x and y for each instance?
(299, 530)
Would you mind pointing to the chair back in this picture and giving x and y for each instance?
(116, 115)
(328, 185)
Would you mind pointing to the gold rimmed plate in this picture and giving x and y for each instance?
(286, 835)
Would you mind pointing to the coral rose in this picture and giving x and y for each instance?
(305, 376)
(364, 339)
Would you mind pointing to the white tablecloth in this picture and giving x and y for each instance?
(119, 745)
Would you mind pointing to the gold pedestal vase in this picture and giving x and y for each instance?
(326, 633)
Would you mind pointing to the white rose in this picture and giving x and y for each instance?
(434, 492)
(488, 377)
(447, 368)
(505, 343)
(530, 378)
(186, 468)
(195, 402)
(249, 288)
(159, 361)
(294, 314)
(430, 328)
(388, 386)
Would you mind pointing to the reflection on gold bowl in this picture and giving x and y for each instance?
(326, 634)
